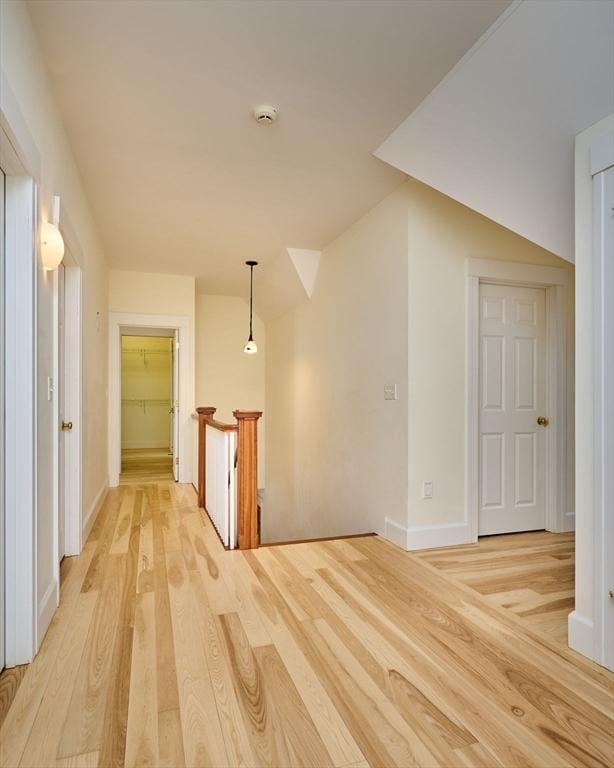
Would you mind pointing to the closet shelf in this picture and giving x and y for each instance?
(147, 351)
(142, 402)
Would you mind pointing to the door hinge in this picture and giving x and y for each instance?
(176, 459)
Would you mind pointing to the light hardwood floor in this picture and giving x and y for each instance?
(169, 651)
(146, 465)
(531, 574)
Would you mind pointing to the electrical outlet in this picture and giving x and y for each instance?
(390, 391)
(427, 489)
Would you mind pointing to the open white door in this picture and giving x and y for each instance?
(175, 406)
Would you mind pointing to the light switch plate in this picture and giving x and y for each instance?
(390, 391)
(427, 489)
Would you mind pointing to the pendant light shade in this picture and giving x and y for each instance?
(251, 347)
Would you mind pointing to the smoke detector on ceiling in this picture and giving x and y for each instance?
(266, 115)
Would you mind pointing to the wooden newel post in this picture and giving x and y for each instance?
(203, 415)
(247, 478)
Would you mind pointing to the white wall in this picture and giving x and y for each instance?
(150, 293)
(336, 450)
(497, 133)
(442, 235)
(227, 378)
(30, 116)
(388, 306)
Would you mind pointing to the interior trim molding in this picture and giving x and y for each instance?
(558, 456)
(427, 536)
(395, 533)
(435, 536)
(185, 444)
(92, 513)
(517, 272)
(46, 608)
(581, 634)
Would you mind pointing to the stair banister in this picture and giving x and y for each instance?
(247, 523)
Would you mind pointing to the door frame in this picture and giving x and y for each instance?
(559, 516)
(21, 254)
(182, 324)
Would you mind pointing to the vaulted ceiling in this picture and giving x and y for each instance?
(157, 99)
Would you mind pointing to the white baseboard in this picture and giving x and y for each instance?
(445, 535)
(427, 536)
(395, 533)
(570, 522)
(581, 635)
(93, 511)
(46, 609)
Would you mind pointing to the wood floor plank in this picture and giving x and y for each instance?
(218, 659)
(113, 745)
(82, 731)
(169, 651)
(335, 735)
(518, 689)
(121, 535)
(166, 672)
(86, 760)
(142, 728)
(202, 734)
(268, 742)
(146, 465)
(170, 740)
(42, 746)
(19, 720)
(291, 716)
(10, 680)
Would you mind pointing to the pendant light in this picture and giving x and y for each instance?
(251, 347)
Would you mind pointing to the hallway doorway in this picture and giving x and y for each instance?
(148, 395)
(174, 408)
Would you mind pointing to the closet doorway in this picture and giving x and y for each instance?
(149, 379)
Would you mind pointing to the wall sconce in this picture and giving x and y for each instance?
(52, 242)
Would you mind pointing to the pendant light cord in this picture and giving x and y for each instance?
(251, 294)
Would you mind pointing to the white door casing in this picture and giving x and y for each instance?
(20, 421)
(185, 426)
(175, 404)
(558, 456)
(603, 414)
(512, 396)
(2, 367)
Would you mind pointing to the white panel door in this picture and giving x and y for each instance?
(63, 414)
(512, 398)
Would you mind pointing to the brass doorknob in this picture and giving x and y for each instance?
(542, 421)
(66, 426)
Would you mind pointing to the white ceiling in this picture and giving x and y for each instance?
(498, 133)
(157, 98)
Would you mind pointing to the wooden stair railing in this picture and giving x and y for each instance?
(247, 469)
